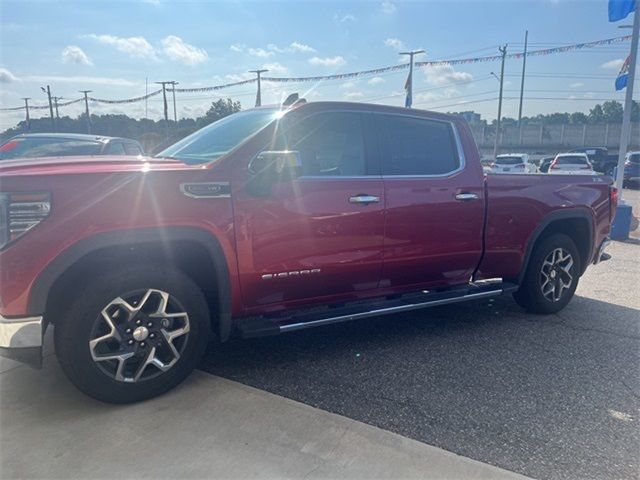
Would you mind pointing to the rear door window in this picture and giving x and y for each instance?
(417, 146)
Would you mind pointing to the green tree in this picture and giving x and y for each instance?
(596, 115)
(578, 118)
(612, 111)
(221, 108)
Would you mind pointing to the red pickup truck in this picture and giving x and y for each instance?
(269, 221)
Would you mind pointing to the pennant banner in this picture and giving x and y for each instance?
(339, 76)
(127, 100)
(364, 73)
(217, 87)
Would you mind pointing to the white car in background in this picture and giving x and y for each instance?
(513, 163)
(571, 164)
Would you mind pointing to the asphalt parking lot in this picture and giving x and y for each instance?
(548, 397)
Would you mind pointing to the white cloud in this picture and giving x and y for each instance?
(576, 85)
(394, 43)
(301, 47)
(328, 62)
(74, 54)
(6, 76)
(136, 47)
(348, 85)
(376, 81)
(340, 18)
(82, 80)
(353, 95)
(294, 47)
(439, 75)
(276, 68)
(613, 64)
(434, 96)
(237, 47)
(176, 49)
(260, 52)
(388, 7)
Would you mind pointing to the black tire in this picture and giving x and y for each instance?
(530, 295)
(78, 324)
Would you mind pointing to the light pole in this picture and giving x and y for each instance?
(628, 100)
(409, 85)
(503, 51)
(259, 93)
(524, 67)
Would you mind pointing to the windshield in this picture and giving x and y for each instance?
(571, 160)
(219, 138)
(509, 160)
(634, 158)
(31, 147)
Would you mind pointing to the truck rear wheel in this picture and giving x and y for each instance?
(133, 334)
(551, 277)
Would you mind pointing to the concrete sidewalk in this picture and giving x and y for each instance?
(207, 428)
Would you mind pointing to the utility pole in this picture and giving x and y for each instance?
(628, 99)
(55, 100)
(164, 99)
(48, 92)
(524, 67)
(503, 51)
(409, 85)
(86, 107)
(26, 107)
(259, 94)
(173, 89)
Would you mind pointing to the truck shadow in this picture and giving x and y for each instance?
(484, 379)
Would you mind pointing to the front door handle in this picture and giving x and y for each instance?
(466, 197)
(364, 199)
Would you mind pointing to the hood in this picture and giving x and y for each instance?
(89, 164)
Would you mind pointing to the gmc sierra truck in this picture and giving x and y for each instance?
(268, 221)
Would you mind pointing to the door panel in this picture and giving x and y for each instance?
(434, 203)
(318, 235)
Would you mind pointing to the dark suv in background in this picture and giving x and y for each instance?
(33, 145)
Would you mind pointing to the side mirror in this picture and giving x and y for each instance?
(271, 167)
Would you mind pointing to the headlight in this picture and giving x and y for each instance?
(20, 212)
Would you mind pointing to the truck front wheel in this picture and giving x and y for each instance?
(132, 334)
(551, 277)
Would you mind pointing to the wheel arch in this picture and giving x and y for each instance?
(150, 243)
(577, 223)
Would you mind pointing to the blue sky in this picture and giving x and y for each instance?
(110, 47)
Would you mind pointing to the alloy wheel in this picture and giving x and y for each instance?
(139, 335)
(555, 275)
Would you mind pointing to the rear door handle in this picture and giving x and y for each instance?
(364, 199)
(467, 197)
